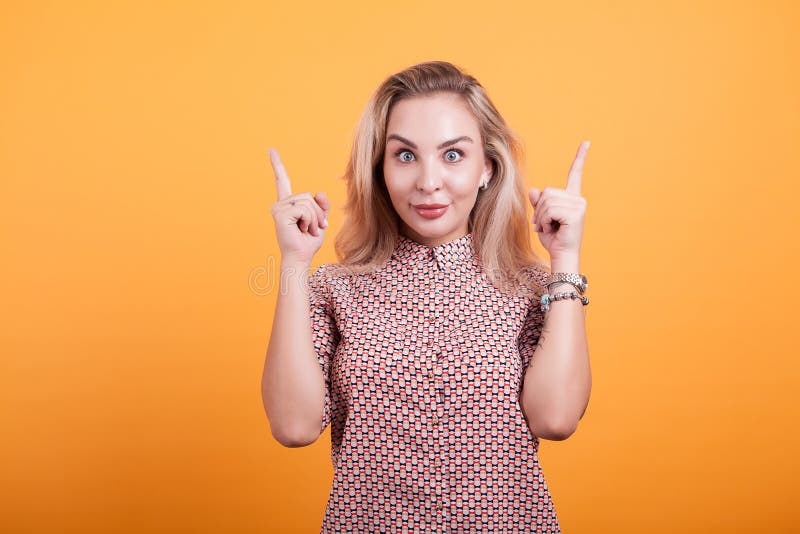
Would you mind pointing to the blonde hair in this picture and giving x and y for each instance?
(498, 222)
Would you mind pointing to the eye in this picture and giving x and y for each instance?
(402, 154)
(453, 152)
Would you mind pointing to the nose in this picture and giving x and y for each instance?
(429, 178)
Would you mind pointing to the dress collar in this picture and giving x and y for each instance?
(446, 255)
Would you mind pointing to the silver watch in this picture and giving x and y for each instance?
(576, 279)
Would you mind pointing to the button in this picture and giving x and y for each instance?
(439, 505)
(435, 420)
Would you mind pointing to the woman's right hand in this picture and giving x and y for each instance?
(300, 220)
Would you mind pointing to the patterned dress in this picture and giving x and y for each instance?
(423, 362)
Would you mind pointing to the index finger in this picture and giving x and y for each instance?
(281, 178)
(575, 172)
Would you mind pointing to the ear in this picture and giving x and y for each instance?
(487, 171)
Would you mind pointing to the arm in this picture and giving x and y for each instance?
(292, 386)
(557, 383)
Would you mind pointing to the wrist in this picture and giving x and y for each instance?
(562, 287)
(565, 264)
(294, 267)
(293, 262)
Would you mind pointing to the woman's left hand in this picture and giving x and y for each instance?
(559, 213)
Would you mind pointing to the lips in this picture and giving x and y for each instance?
(430, 211)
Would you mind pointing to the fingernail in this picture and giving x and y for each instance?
(325, 222)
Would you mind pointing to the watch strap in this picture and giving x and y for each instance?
(576, 279)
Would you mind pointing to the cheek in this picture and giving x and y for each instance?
(466, 187)
(397, 181)
(397, 194)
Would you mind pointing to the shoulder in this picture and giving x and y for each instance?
(536, 274)
(534, 283)
(330, 277)
(321, 277)
(332, 272)
(321, 273)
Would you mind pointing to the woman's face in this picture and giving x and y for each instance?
(434, 156)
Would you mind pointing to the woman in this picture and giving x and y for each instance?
(436, 348)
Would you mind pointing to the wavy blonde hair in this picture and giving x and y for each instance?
(498, 222)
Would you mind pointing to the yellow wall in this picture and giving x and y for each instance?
(135, 190)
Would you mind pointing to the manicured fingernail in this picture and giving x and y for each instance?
(325, 222)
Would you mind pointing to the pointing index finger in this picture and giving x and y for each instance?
(575, 172)
(282, 182)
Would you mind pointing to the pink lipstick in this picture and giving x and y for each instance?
(430, 211)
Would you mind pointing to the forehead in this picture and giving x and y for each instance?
(430, 119)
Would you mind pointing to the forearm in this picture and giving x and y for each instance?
(557, 384)
(292, 385)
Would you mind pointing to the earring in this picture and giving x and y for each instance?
(484, 185)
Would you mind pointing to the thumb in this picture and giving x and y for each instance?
(533, 195)
(322, 200)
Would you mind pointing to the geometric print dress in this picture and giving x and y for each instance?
(423, 362)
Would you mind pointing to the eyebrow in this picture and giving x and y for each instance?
(445, 144)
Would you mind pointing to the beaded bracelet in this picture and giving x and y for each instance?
(548, 298)
(559, 282)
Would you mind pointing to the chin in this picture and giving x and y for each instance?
(430, 228)
(433, 232)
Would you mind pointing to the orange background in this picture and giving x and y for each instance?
(138, 247)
